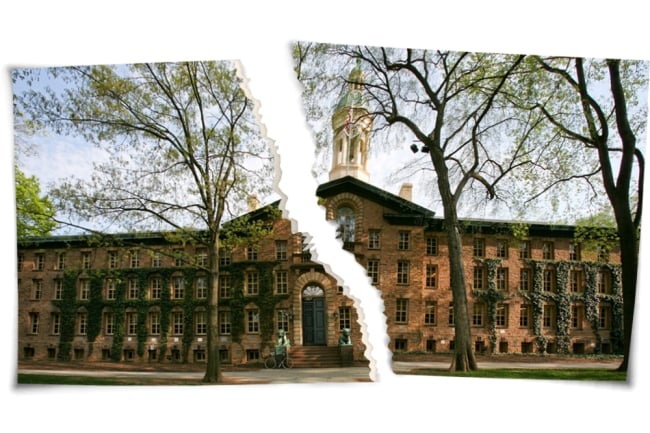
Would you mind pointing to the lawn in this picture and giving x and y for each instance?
(46, 379)
(544, 374)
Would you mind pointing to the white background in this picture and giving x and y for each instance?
(258, 33)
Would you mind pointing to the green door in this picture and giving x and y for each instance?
(313, 322)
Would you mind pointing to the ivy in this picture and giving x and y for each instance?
(94, 307)
(563, 300)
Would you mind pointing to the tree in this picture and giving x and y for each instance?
(451, 104)
(593, 110)
(184, 152)
(33, 212)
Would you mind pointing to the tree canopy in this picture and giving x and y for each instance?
(184, 151)
(34, 211)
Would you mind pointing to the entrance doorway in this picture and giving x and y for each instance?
(313, 317)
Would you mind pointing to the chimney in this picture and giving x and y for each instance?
(253, 203)
(406, 191)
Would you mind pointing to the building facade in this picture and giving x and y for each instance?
(143, 297)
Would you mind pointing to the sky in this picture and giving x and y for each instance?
(258, 34)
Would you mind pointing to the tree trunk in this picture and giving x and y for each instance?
(463, 358)
(629, 269)
(213, 370)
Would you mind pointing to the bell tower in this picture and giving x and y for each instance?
(351, 123)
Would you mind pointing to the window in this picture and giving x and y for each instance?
(177, 322)
(225, 257)
(112, 259)
(109, 323)
(154, 322)
(251, 252)
(179, 258)
(401, 344)
(501, 316)
(604, 281)
(21, 262)
(548, 316)
(603, 253)
(430, 312)
(280, 250)
(252, 355)
(577, 316)
(502, 279)
(225, 322)
(373, 239)
(432, 246)
(134, 258)
(524, 250)
(224, 287)
(402, 272)
(201, 257)
(548, 251)
(282, 319)
(574, 252)
(252, 283)
(604, 316)
(525, 279)
(524, 316)
(37, 289)
(155, 288)
(58, 289)
(252, 321)
(373, 271)
(60, 261)
(450, 314)
(404, 240)
(576, 281)
(84, 289)
(345, 318)
(502, 248)
(201, 287)
(281, 282)
(40, 261)
(345, 219)
(201, 322)
(56, 323)
(178, 287)
(479, 278)
(548, 280)
(479, 247)
(401, 310)
(431, 276)
(131, 323)
(477, 314)
(110, 288)
(133, 288)
(82, 323)
(156, 259)
(33, 322)
(86, 259)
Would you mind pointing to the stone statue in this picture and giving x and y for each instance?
(283, 343)
(344, 339)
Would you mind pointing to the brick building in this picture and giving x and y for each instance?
(143, 298)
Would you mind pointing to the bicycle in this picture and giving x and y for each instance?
(271, 361)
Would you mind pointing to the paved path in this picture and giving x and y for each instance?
(317, 375)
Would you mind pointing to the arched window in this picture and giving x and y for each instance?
(345, 219)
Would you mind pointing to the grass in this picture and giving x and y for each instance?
(578, 374)
(46, 379)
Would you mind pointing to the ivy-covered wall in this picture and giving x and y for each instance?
(562, 298)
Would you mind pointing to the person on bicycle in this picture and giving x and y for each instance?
(281, 347)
